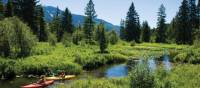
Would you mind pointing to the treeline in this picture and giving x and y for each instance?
(29, 17)
(183, 29)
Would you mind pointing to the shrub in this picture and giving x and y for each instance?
(7, 69)
(180, 57)
(67, 41)
(52, 39)
(142, 77)
(16, 38)
(133, 43)
(77, 37)
(95, 61)
(113, 37)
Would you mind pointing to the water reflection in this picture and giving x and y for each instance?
(152, 64)
(117, 71)
(166, 63)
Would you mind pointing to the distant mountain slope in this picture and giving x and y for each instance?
(50, 11)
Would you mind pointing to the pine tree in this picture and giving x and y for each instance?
(102, 39)
(26, 10)
(146, 32)
(9, 9)
(184, 30)
(193, 14)
(198, 12)
(1, 10)
(42, 33)
(113, 37)
(161, 26)
(122, 29)
(132, 30)
(67, 21)
(172, 30)
(89, 21)
(56, 25)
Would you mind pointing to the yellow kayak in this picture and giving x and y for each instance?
(67, 77)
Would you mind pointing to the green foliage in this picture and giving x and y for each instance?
(133, 43)
(7, 69)
(96, 61)
(161, 26)
(89, 21)
(42, 33)
(103, 43)
(16, 39)
(77, 36)
(67, 40)
(9, 9)
(181, 76)
(113, 37)
(1, 10)
(142, 77)
(26, 11)
(132, 30)
(52, 39)
(184, 28)
(56, 26)
(122, 30)
(146, 34)
(67, 21)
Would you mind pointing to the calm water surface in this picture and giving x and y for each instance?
(110, 71)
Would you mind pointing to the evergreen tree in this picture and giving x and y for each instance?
(67, 21)
(1, 10)
(113, 37)
(132, 30)
(172, 31)
(161, 26)
(97, 33)
(89, 21)
(102, 39)
(184, 30)
(42, 33)
(198, 12)
(56, 26)
(146, 32)
(9, 9)
(26, 10)
(193, 14)
(122, 29)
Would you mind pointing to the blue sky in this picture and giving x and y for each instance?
(115, 10)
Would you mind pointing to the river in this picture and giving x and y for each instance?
(109, 71)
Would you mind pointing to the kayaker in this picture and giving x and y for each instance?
(42, 79)
(62, 74)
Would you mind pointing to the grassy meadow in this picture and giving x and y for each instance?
(77, 58)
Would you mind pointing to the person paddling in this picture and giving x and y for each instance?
(62, 75)
(42, 79)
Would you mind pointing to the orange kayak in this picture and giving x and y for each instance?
(39, 85)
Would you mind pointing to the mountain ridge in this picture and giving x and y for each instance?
(50, 11)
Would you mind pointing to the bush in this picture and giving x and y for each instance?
(142, 77)
(31, 67)
(77, 37)
(180, 58)
(113, 37)
(133, 43)
(7, 69)
(96, 61)
(67, 40)
(52, 39)
(16, 38)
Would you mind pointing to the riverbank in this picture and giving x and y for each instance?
(75, 59)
